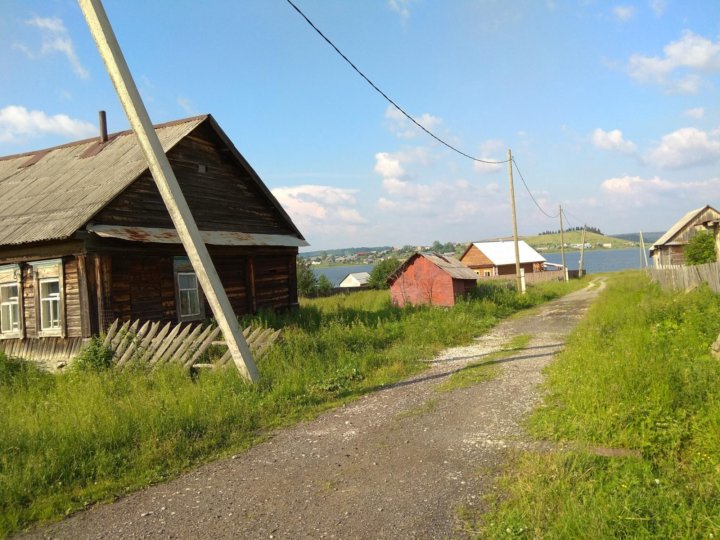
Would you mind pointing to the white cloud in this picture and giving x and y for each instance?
(623, 13)
(612, 140)
(691, 54)
(658, 7)
(401, 7)
(55, 38)
(697, 113)
(319, 210)
(186, 105)
(685, 147)
(634, 191)
(490, 150)
(18, 123)
(403, 128)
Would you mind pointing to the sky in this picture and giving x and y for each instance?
(611, 109)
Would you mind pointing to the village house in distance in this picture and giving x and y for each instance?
(489, 259)
(668, 250)
(430, 278)
(85, 237)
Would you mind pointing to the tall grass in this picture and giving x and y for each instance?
(636, 375)
(72, 439)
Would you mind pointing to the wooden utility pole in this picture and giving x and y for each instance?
(643, 251)
(582, 252)
(562, 245)
(518, 280)
(168, 185)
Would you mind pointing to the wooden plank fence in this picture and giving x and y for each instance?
(150, 342)
(685, 278)
(182, 343)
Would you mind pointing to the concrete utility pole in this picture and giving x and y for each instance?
(644, 252)
(168, 185)
(582, 252)
(518, 279)
(562, 245)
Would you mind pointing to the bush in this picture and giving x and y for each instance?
(700, 249)
(324, 286)
(94, 357)
(381, 272)
(307, 281)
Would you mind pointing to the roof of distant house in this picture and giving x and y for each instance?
(503, 253)
(361, 278)
(679, 226)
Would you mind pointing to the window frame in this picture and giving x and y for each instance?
(45, 272)
(182, 267)
(11, 275)
(13, 332)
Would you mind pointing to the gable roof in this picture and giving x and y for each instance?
(361, 278)
(503, 253)
(449, 265)
(679, 225)
(50, 194)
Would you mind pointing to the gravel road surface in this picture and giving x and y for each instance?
(397, 463)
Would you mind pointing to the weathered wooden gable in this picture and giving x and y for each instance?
(221, 192)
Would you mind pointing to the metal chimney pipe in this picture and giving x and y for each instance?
(103, 127)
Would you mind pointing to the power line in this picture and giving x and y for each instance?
(530, 193)
(383, 94)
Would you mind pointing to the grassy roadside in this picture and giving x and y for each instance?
(73, 439)
(636, 382)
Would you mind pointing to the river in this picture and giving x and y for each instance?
(596, 260)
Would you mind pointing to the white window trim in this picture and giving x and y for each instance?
(44, 271)
(196, 290)
(50, 299)
(13, 332)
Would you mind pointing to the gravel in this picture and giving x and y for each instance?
(397, 463)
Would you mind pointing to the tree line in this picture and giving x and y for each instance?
(571, 229)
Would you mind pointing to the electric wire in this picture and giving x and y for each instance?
(551, 216)
(383, 94)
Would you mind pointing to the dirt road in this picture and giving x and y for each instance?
(395, 464)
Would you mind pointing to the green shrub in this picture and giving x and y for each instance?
(700, 249)
(381, 272)
(94, 357)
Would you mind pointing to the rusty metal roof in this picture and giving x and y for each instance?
(49, 194)
(450, 265)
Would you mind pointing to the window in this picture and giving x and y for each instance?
(50, 304)
(189, 294)
(9, 308)
(11, 302)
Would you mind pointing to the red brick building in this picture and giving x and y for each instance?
(430, 279)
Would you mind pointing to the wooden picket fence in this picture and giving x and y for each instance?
(184, 344)
(684, 278)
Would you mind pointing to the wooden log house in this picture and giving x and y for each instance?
(430, 278)
(669, 251)
(489, 259)
(85, 237)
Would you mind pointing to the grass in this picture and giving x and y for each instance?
(83, 436)
(637, 374)
(485, 369)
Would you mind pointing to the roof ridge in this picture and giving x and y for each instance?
(113, 135)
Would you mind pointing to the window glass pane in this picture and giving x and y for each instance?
(9, 308)
(188, 294)
(187, 281)
(50, 304)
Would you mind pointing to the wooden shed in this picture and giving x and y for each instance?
(668, 250)
(490, 259)
(85, 237)
(430, 279)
